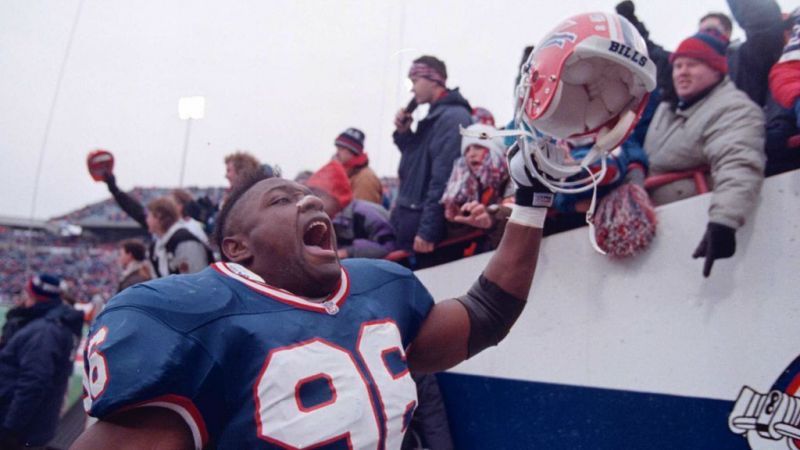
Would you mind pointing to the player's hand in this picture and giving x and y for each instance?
(422, 246)
(530, 191)
(475, 215)
(402, 121)
(341, 253)
(719, 241)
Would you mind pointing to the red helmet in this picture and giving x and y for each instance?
(100, 163)
(589, 77)
(585, 75)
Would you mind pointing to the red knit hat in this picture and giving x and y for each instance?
(707, 45)
(332, 179)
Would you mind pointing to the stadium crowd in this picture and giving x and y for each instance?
(727, 109)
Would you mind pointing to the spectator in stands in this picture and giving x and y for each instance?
(625, 164)
(749, 61)
(36, 350)
(175, 249)
(427, 155)
(186, 204)
(783, 115)
(482, 115)
(303, 176)
(350, 152)
(135, 268)
(714, 125)
(137, 212)
(479, 182)
(241, 166)
(362, 227)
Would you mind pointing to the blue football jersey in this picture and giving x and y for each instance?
(247, 365)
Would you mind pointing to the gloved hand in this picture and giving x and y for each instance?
(111, 182)
(635, 175)
(530, 191)
(719, 241)
(627, 10)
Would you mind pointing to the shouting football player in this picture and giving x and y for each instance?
(282, 345)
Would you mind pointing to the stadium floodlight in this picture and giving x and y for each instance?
(189, 108)
(192, 107)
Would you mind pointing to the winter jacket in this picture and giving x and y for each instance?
(179, 246)
(783, 106)
(136, 272)
(749, 63)
(724, 131)
(35, 365)
(366, 185)
(425, 164)
(363, 230)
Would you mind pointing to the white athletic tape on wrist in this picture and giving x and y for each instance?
(528, 216)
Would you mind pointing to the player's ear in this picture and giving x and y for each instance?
(235, 249)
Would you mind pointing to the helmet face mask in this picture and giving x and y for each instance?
(589, 77)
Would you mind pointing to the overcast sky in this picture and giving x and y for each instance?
(281, 79)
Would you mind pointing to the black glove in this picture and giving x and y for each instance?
(111, 181)
(719, 241)
(627, 10)
(530, 191)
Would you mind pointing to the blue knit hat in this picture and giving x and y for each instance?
(45, 286)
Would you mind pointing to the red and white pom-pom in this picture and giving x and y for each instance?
(625, 221)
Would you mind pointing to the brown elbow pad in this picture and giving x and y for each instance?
(491, 311)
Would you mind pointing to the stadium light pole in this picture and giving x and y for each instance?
(189, 108)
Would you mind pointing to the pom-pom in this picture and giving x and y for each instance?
(625, 221)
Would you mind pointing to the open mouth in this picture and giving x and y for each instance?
(318, 234)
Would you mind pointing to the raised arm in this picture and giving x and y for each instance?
(457, 329)
(130, 205)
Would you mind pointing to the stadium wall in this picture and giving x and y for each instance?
(636, 353)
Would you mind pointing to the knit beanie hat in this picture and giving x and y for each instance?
(332, 179)
(45, 286)
(482, 115)
(351, 139)
(492, 144)
(707, 45)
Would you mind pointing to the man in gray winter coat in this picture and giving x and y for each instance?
(713, 125)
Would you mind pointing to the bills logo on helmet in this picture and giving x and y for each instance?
(558, 40)
(624, 50)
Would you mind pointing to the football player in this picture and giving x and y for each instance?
(282, 345)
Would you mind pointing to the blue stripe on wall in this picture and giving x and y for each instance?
(493, 413)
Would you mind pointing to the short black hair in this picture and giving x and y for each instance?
(434, 63)
(722, 17)
(222, 218)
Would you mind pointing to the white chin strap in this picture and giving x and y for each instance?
(550, 168)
